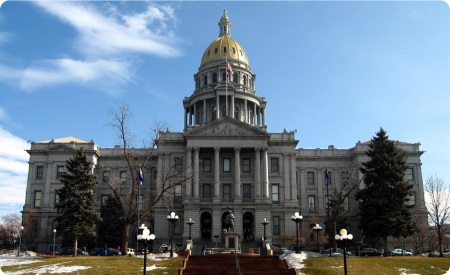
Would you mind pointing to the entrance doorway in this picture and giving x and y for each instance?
(248, 226)
(205, 225)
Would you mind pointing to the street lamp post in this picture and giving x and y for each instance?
(264, 223)
(190, 222)
(145, 238)
(317, 228)
(344, 237)
(172, 218)
(54, 237)
(20, 240)
(297, 218)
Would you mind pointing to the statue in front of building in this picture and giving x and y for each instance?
(229, 220)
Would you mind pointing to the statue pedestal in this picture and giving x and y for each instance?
(232, 242)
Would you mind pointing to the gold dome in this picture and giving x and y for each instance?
(223, 47)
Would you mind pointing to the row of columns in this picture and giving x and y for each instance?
(258, 116)
(261, 191)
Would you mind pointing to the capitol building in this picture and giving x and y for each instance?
(232, 163)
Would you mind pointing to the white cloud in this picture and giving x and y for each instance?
(112, 32)
(13, 170)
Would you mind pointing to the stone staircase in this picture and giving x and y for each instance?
(225, 264)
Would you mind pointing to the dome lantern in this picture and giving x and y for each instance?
(224, 25)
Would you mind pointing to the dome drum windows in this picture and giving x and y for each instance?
(214, 77)
(205, 80)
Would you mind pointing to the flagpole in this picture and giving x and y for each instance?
(226, 86)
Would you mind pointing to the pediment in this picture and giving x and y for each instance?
(61, 147)
(227, 127)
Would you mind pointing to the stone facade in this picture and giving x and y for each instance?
(233, 162)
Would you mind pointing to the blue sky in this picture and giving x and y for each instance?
(336, 71)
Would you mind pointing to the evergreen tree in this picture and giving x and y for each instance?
(77, 207)
(384, 209)
(110, 227)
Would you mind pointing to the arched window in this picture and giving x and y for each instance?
(205, 80)
(244, 80)
(198, 117)
(197, 83)
(214, 80)
(235, 77)
(236, 112)
(251, 117)
(213, 113)
(224, 76)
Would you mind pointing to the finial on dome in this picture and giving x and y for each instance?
(224, 25)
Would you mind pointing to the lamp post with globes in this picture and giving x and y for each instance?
(172, 218)
(342, 236)
(145, 238)
(54, 237)
(190, 222)
(20, 240)
(297, 218)
(317, 228)
(264, 223)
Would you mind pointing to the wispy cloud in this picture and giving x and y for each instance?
(13, 170)
(107, 43)
(111, 32)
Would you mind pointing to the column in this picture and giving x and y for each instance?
(232, 106)
(217, 107)
(185, 118)
(258, 118)
(159, 175)
(204, 111)
(287, 188)
(263, 112)
(265, 174)
(237, 173)
(294, 178)
(190, 116)
(254, 114)
(257, 173)
(216, 174)
(195, 114)
(189, 172)
(196, 172)
(246, 117)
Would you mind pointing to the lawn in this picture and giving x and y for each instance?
(167, 266)
(377, 265)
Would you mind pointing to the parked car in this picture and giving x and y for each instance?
(370, 252)
(339, 252)
(50, 253)
(104, 252)
(400, 252)
(69, 252)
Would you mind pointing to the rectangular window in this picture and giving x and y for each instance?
(56, 198)
(207, 165)
(104, 199)
(344, 177)
(59, 170)
(412, 199)
(274, 165)
(409, 175)
(275, 193)
(105, 175)
(246, 165)
(39, 172)
(276, 225)
(310, 178)
(37, 199)
(123, 176)
(139, 200)
(178, 164)
(34, 228)
(227, 165)
(247, 191)
(227, 191)
(177, 199)
(207, 191)
(312, 203)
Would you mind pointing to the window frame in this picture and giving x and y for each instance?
(226, 168)
(247, 195)
(224, 187)
(204, 193)
(310, 181)
(274, 165)
(246, 165)
(37, 202)
(409, 176)
(59, 170)
(275, 196)
(276, 228)
(206, 165)
(311, 203)
(39, 172)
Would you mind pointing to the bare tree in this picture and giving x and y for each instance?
(9, 230)
(136, 160)
(438, 206)
(340, 198)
